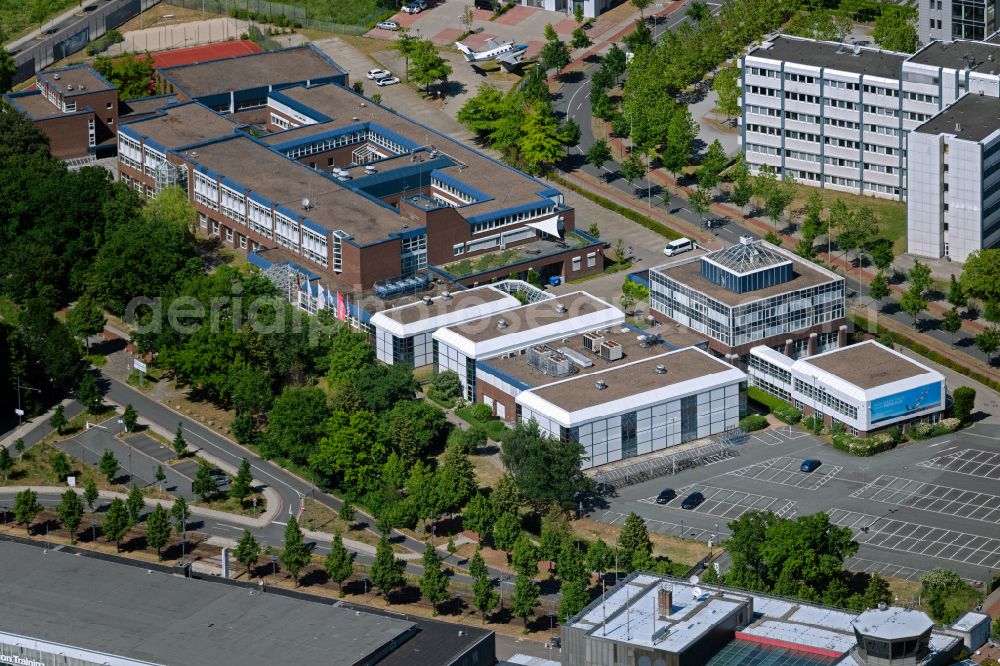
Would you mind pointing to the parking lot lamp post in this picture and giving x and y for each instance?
(274, 565)
(682, 527)
(365, 579)
(93, 531)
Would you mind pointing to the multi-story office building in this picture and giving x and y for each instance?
(749, 294)
(953, 207)
(956, 19)
(837, 116)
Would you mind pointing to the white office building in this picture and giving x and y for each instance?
(866, 387)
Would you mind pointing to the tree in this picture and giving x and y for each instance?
(456, 479)
(506, 531)
(130, 418)
(484, 596)
(109, 465)
(743, 185)
(878, 288)
(158, 529)
(895, 32)
(247, 551)
(295, 424)
(60, 465)
(570, 564)
(26, 508)
(956, 295)
(641, 5)
(913, 303)
(160, 475)
(478, 516)
(505, 497)
(578, 12)
(88, 393)
(778, 198)
(135, 503)
(632, 169)
(86, 319)
(339, 563)
(539, 140)
(747, 534)
(728, 91)
(598, 154)
(580, 39)
(981, 275)
(963, 402)
(700, 201)
(406, 46)
(882, 254)
(295, 555)
(204, 485)
(712, 164)
(130, 74)
(90, 494)
(574, 599)
(8, 67)
(987, 342)
(481, 112)
(877, 592)
(920, 277)
(698, 11)
(58, 420)
(681, 133)
(600, 558)
(525, 557)
(427, 66)
(180, 513)
(446, 385)
(241, 486)
(116, 522)
(433, 582)
(386, 573)
(347, 511)
(179, 444)
(70, 512)
(951, 321)
(525, 597)
(546, 470)
(635, 548)
(858, 230)
(6, 461)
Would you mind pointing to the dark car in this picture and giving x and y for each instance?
(809, 465)
(484, 4)
(666, 495)
(692, 500)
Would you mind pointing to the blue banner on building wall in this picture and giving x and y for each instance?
(906, 402)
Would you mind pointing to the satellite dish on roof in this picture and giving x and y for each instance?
(697, 592)
(306, 203)
(694, 580)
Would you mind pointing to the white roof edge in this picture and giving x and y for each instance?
(452, 317)
(774, 356)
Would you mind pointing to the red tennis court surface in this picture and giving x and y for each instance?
(204, 53)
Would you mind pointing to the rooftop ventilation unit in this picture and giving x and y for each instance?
(592, 342)
(560, 308)
(661, 369)
(83, 87)
(69, 86)
(502, 324)
(446, 295)
(55, 76)
(611, 350)
(600, 385)
(577, 358)
(746, 240)
(427, 300)
(306, 203)
(958, 128)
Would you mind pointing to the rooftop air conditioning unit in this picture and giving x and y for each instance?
(502, 324)
(611, 350)
(600, 385)
(592, 342)
(427, 300)
(661, 369)
(446, 295)
(560, 308)
(69, 86)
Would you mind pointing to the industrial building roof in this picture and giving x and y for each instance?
(268, 68)
(35, 105)
(75, 80)
(751, 653)
(866, 365)
(972, 118)
(182, 125)
(446, 309)
(831, 55)
(980, 57)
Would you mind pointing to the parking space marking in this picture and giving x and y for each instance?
(971, 462)
(882, 568)
(934, 498)
(785, 471)
(768, 438)
(670, 528)
(907, 537)
(729, 504)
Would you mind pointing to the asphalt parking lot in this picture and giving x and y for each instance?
(934, 503)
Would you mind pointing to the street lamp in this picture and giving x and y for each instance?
(274, 565)
(365, 579)
(93, 531)
(4, 515)
(131, 479)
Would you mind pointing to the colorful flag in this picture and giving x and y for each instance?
(341, 309)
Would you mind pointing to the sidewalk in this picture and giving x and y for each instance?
(34, 430)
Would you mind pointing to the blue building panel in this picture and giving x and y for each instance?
(231, 184)
(309, 224)
(906, 402)
(502, 376)
(513, 210)
(467, 190)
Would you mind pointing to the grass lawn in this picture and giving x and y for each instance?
(680, 551)
(15, 15)
(892, 214)
(232, 505)
(495, 428)
(32, 468)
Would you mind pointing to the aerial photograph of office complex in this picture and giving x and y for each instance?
(473, 332)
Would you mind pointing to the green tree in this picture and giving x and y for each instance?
(109, 465)
(130, 418)
(456, 479)
(698, 11)
(8, 67)
(241, 486)
(981, 275)
(6, 462)
(580, 39)
(484, 596)
(135, 503)
(506, 531)
(525, 599)
(857, 231)
(90, 494)
(725, 84)
(570, 564)
(987, 342)
(58, 420)
(913, 303)
(956, 295)
(615, 60)
(70, 512)
(578, 12)
(778, 199)
(60, 465)
(505, 497)
(895, 32)
(426, 66)
(295, 424)
(539, 141)
(116, 522)
(635, 549)
(743, 185)
(86, 319)
(88, 393)
(347, 512)
(878, 288)
(247, 551)
(295, 555)
(600, 558)
(805, 557)
(525, 557)
(131, 74)
(642, 6)
(158, 529)
(681, 133)
(877, 592)
(882, 254)
(179, 444)
(920, 277)
(712, 164)
(204, 485)
(407, 45)
(386, 573)
(951, 321)
(350, 450)
(478, 516)
(433, 582)
(632, 169)
(348, 354)
(446, 385)
(26, 508)
(963, 402)
(160, 475)
(339, 563)
(482, 111)
(574, 599)
(747, 535)
(700, 201)
(545, 470)
(598, 154)
(180, 513)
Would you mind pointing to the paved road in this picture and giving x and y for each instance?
(934, 503)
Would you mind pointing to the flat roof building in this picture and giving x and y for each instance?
(865, 387)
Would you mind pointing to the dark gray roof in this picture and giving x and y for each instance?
(972, 118)
(960, 55)
(872, 62)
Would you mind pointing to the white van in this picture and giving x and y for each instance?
(678, 246)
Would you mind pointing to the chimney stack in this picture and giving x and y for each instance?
(664, 602)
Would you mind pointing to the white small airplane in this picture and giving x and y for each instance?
(508, 54)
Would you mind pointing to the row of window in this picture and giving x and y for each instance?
(819, 395)
(513, 218)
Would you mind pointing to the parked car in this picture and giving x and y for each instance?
(692, 500)
(666, 495)
(387, 25)
(387, 81)
(810, 465)
(376, 74)
(412, 9)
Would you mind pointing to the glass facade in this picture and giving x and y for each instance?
(971, 19)
(747, 653)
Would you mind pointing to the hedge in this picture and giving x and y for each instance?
(753, 422)
(624, 211)
(898, 339)
(864, 447)
(772, 402)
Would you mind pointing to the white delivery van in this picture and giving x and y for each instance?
(678, 246)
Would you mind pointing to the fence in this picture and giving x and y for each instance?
(627, 475)
(278, 13)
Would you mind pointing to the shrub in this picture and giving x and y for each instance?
(765, 399)
(868, 446)
(753, 422)
(814, 424)
(926, 430)
(481, 412)
(788, 414)
(963, 402)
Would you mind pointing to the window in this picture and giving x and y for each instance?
(215, 227)
(243, 241)
(203, 220)
(577, 263)
(69, 107)
(109, 105)
(229, 235)
(591, 259)
(458, 249)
